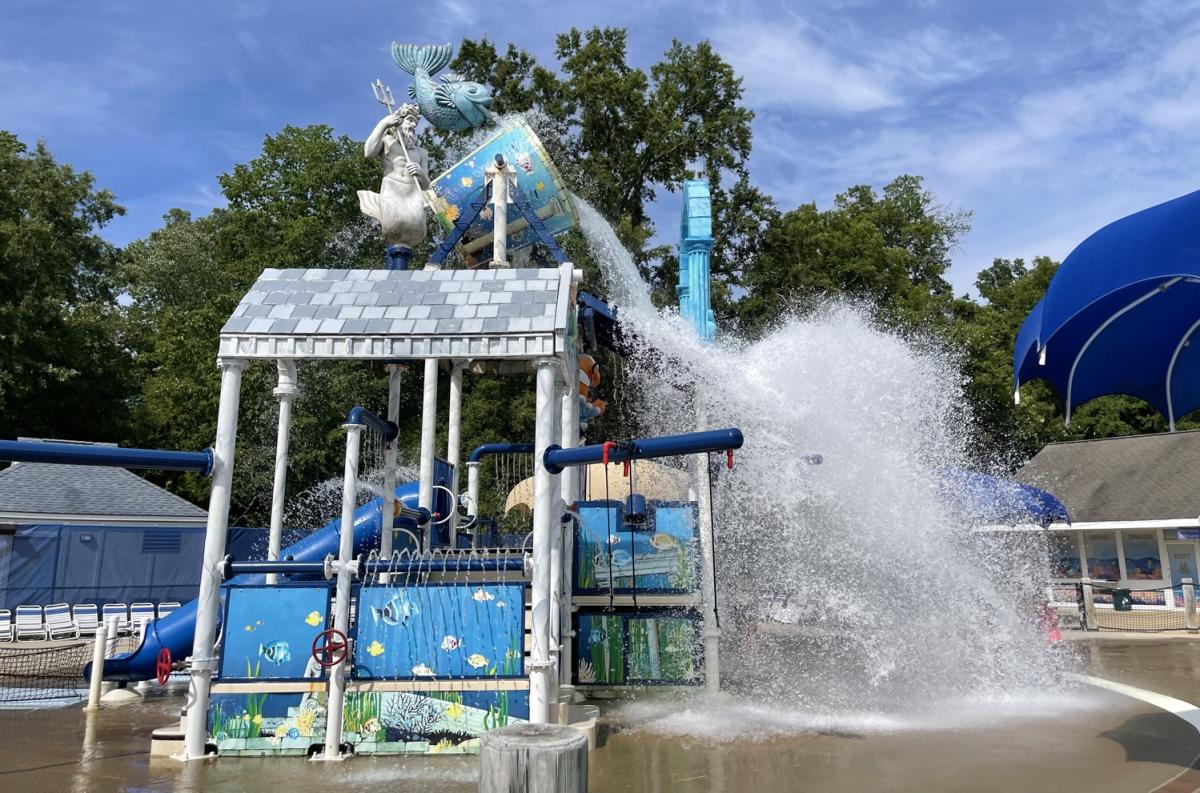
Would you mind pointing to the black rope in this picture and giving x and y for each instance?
(608, 543)
(632, 537)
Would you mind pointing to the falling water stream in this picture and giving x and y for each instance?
(849, 593)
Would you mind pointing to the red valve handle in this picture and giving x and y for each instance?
(605, 448)
(162, 667)
(329, 647)
(729, 458)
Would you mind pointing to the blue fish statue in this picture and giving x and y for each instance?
(276, 652)
(397, 611)
(450, 103)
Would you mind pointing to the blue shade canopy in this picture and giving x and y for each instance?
(1120, 313)
(984, 499)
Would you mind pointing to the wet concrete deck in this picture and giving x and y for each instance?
(1088, 740)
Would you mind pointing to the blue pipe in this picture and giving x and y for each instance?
(557, 458)
(499, 448)
(359, 415)
(87, 454)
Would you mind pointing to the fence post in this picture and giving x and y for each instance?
(98, 653)
(114, 630)
(1189, 604)
(1089, 605)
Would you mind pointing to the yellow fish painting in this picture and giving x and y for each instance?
(249, 627)
(663, 541)
(477, 661)
(375, 649)
(455, 711)
(314, 619)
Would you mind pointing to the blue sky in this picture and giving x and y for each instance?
(1046, 119)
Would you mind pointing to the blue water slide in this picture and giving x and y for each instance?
(176, 630)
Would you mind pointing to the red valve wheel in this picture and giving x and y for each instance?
(163, 667)
(729, 458)
(329, 647)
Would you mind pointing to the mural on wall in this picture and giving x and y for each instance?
(535, 175)
(661, 557)
(391, 722)
(1142, 559)
(1064, 555)
(440, 630)
(1102, 555)
(269, 631)
(637, 648)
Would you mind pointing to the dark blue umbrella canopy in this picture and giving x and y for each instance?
(984, 499)
(1120, 314)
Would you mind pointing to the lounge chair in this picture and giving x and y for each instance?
(141, 615)
(59, 624)
(6, 625)
(87, 618)
(29, 623)
(118, 610)
(166, 607)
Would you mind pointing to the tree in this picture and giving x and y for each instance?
(64, 371)
(888, 250)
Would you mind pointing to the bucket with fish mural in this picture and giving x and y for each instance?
(536, 177)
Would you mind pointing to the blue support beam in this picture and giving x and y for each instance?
(360, 416)
(112, 456)
(556, 458)
(499, 448)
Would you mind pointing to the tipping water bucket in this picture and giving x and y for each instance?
(536, 177)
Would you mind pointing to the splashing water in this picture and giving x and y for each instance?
(846, 587)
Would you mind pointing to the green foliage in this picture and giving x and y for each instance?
(64, 371)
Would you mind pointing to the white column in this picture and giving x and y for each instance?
(208, 604)
(473, 499)
(428, 437)
(708, 582)
(541, 667)
(386, 534)
(341, 614)
(454, 442)
(569, 486)
(499, 179)
(286, 392)
(556, 547)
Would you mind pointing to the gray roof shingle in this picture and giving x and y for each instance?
(87, 490)
(390, 314)
(1139, 477)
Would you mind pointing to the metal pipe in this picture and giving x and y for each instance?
(286, 391)
(498, 174)
(341, 614)
(378, 567)
(569, 486)
(428, 437)
(361, 417)
(473, 500)
(555, 459)
(479, 452)
(208, 603)
(541, 666)
(454, 443)
(200, 462)
(556, 558)
(97, 679)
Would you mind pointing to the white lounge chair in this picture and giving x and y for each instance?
(59, 624)
(29, 623)
(6, 625)
(87, 618)
(166, 607)
(141, 615)
(118, 610)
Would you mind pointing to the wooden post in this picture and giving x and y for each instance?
(1189, 604)
(533, 758)
(1089, 605)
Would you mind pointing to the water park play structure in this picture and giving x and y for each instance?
(398, 627)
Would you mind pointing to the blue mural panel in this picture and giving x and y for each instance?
(660, 558)
(269, 631)
(440, 631)
(644, 647)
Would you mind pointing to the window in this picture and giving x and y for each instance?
(161, 541)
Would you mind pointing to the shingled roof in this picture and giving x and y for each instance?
(45, 492)
(1135, 478)
(509, 314)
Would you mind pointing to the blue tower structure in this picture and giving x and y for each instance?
(695, 248)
